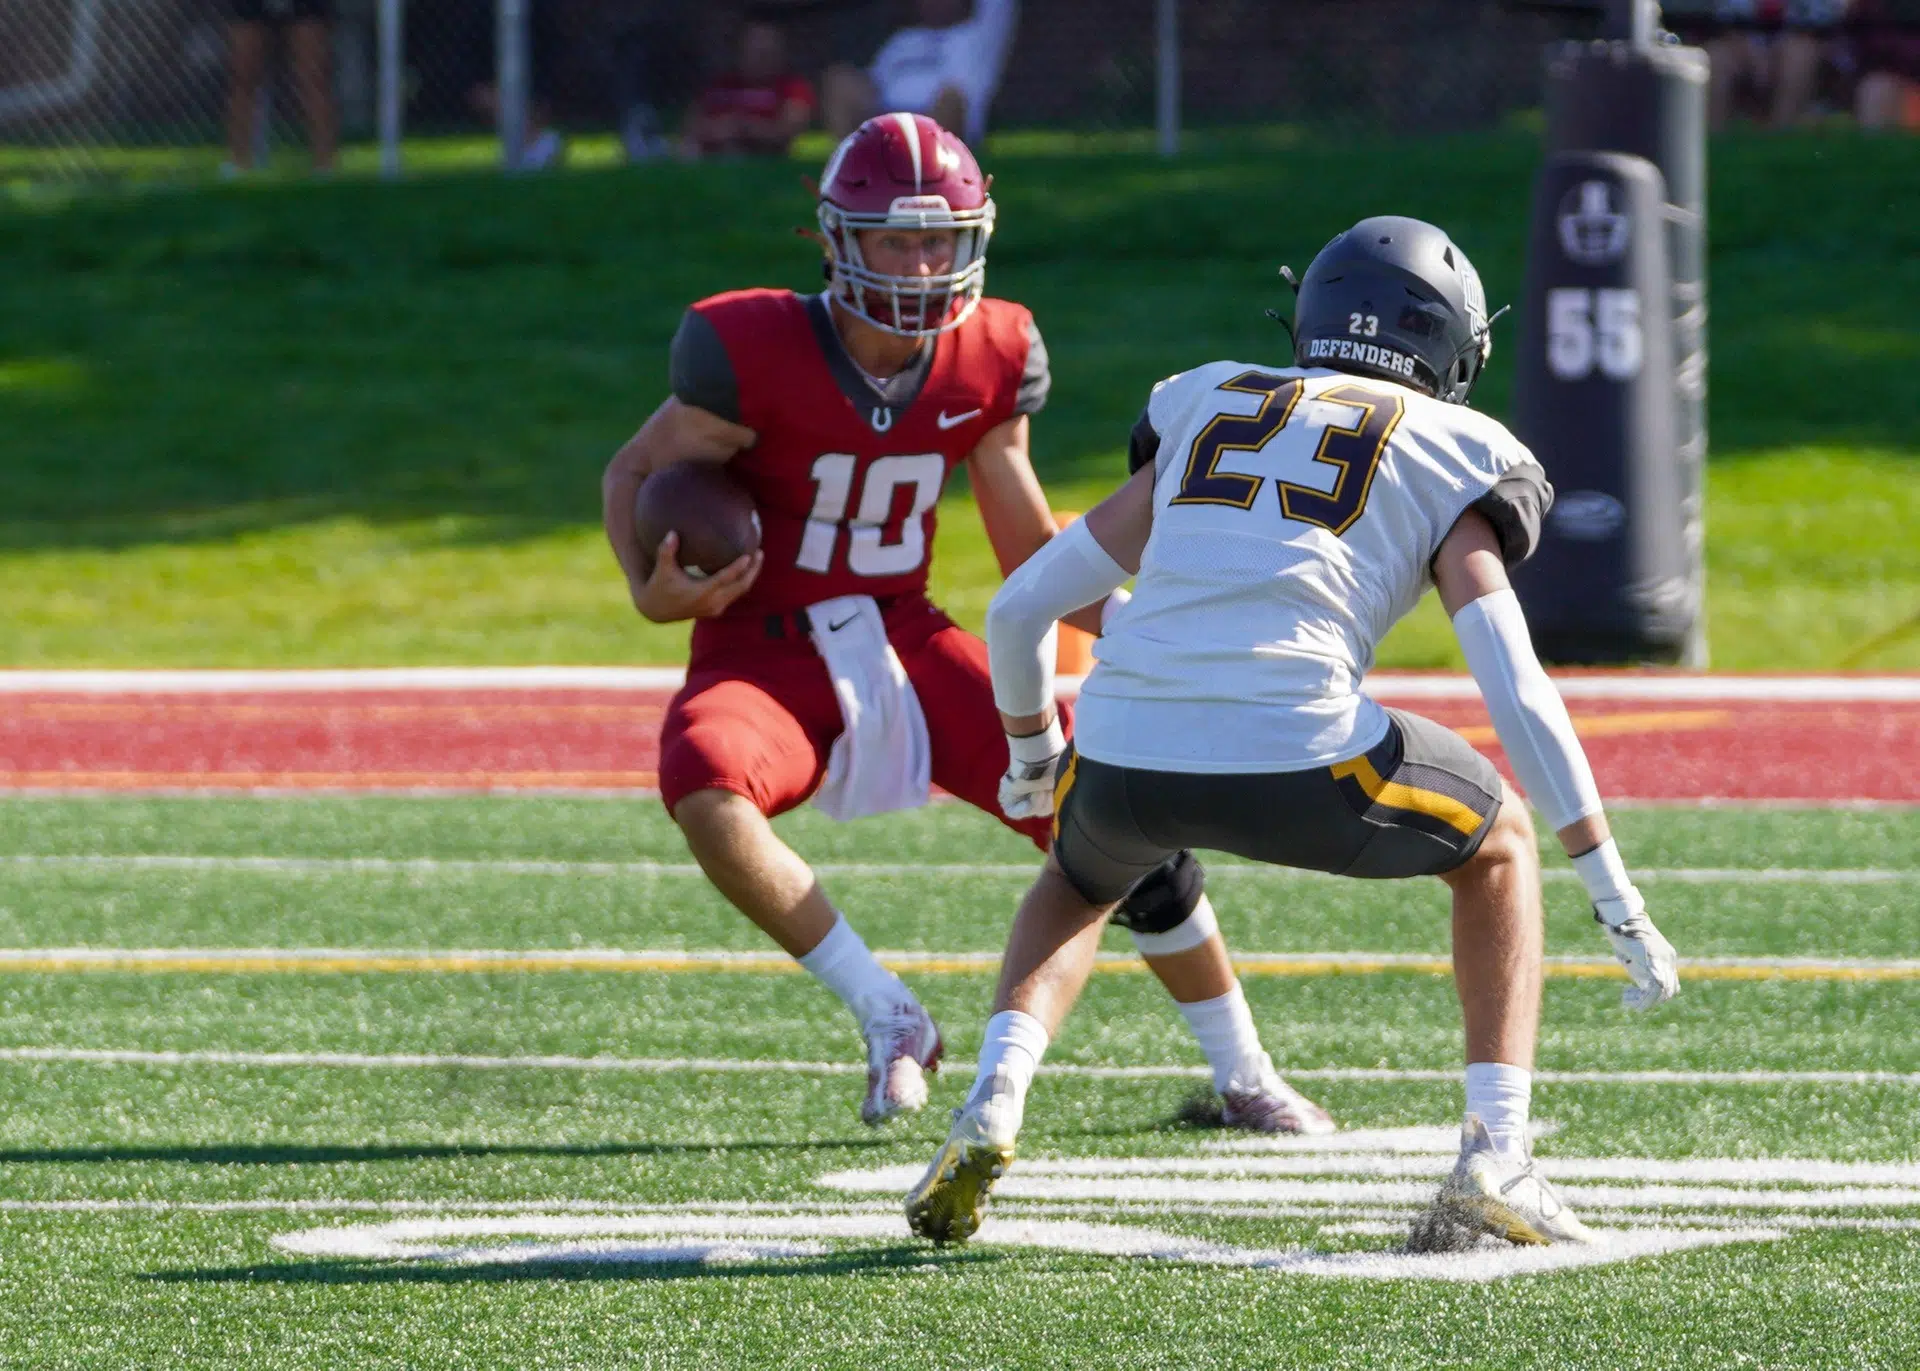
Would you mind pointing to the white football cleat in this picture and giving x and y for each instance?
(902, 1044)
(946, 1205)
(1497, 1193)
(1270, 1105)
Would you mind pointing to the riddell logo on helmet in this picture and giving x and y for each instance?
(920, 204)
(1346, 350)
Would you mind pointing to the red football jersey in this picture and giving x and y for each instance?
(847, 475)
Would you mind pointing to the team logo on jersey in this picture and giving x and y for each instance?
(1594, 228)
(881, 419)
(1347, 350)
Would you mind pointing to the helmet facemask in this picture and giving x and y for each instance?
(909, 306)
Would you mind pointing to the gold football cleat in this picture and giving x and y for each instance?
(946, 1205)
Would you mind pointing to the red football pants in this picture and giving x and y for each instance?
(758, 715)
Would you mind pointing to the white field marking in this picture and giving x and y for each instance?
(587, 1237)
(1025, 1185)
(1385, 684)
(230, 961)
(1024, 871)
(1502, 1262)
(1400, 1215)
(629, 793)
(1437, 1140)
(661, 1065)
(346, 1206)
(1739, 1170)
(703, 1237)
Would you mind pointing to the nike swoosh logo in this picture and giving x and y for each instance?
(835, 628)
(947, 421)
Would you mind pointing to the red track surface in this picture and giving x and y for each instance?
(604, 739)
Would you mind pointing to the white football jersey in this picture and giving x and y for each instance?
(1296, 514)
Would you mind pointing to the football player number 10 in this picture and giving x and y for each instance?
(923, 473)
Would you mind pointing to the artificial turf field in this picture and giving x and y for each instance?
(663, 1167)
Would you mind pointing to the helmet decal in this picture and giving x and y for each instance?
(911, 132)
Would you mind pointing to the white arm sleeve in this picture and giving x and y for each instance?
(1071, 570)
(1527, 710)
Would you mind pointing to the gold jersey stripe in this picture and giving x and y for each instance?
(1397, 796)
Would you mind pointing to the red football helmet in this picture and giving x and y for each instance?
(905, 171)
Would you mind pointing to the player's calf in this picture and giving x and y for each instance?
(769, 883)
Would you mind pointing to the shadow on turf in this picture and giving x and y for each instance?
(902, 1258)
(276, 1154)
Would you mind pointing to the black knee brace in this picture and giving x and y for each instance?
(1165, 897)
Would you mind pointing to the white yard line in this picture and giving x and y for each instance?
(344, 1206)
(666, 1065)
(510, 866)
(230, 961)
(1390, 685)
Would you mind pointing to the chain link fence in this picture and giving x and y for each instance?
(169, 89)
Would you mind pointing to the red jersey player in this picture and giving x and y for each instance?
(843, 414)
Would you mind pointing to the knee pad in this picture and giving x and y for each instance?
(1165, 898)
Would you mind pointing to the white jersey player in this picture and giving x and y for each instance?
(1280, 521)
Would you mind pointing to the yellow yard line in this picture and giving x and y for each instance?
(1614, 725)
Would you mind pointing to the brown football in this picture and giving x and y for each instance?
(712, 513)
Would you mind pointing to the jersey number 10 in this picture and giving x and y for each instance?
(1353, 450)
(923, 472)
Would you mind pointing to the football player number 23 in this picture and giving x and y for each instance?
(1353, 450)
(877, 505)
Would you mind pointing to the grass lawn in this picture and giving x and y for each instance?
(680, 1180)
(343, 424)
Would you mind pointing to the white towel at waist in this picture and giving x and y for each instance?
(883, 759)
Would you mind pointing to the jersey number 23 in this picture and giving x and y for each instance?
(1352, 450)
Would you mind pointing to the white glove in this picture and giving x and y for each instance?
(1026, 791)
(1640, 948)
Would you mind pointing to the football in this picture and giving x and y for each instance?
(712, 513)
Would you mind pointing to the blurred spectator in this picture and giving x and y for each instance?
(650, 48)
(755, 110)
(1771, 55)
(1888, 59)
(452, 47)
(307, 26)
(948, 66)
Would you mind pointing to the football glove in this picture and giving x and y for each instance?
(1639, 947)
(1026, 791)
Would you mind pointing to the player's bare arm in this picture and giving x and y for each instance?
(663, 592)
(1532, 722)
(1012, 505)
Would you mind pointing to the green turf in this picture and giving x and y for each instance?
(166, 1286)
(282, 423)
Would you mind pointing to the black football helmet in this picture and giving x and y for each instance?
(1396, 299)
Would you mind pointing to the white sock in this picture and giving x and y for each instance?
(1500, 1094)
(1224, 1028)
(1015, 1043)
(842, 963)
